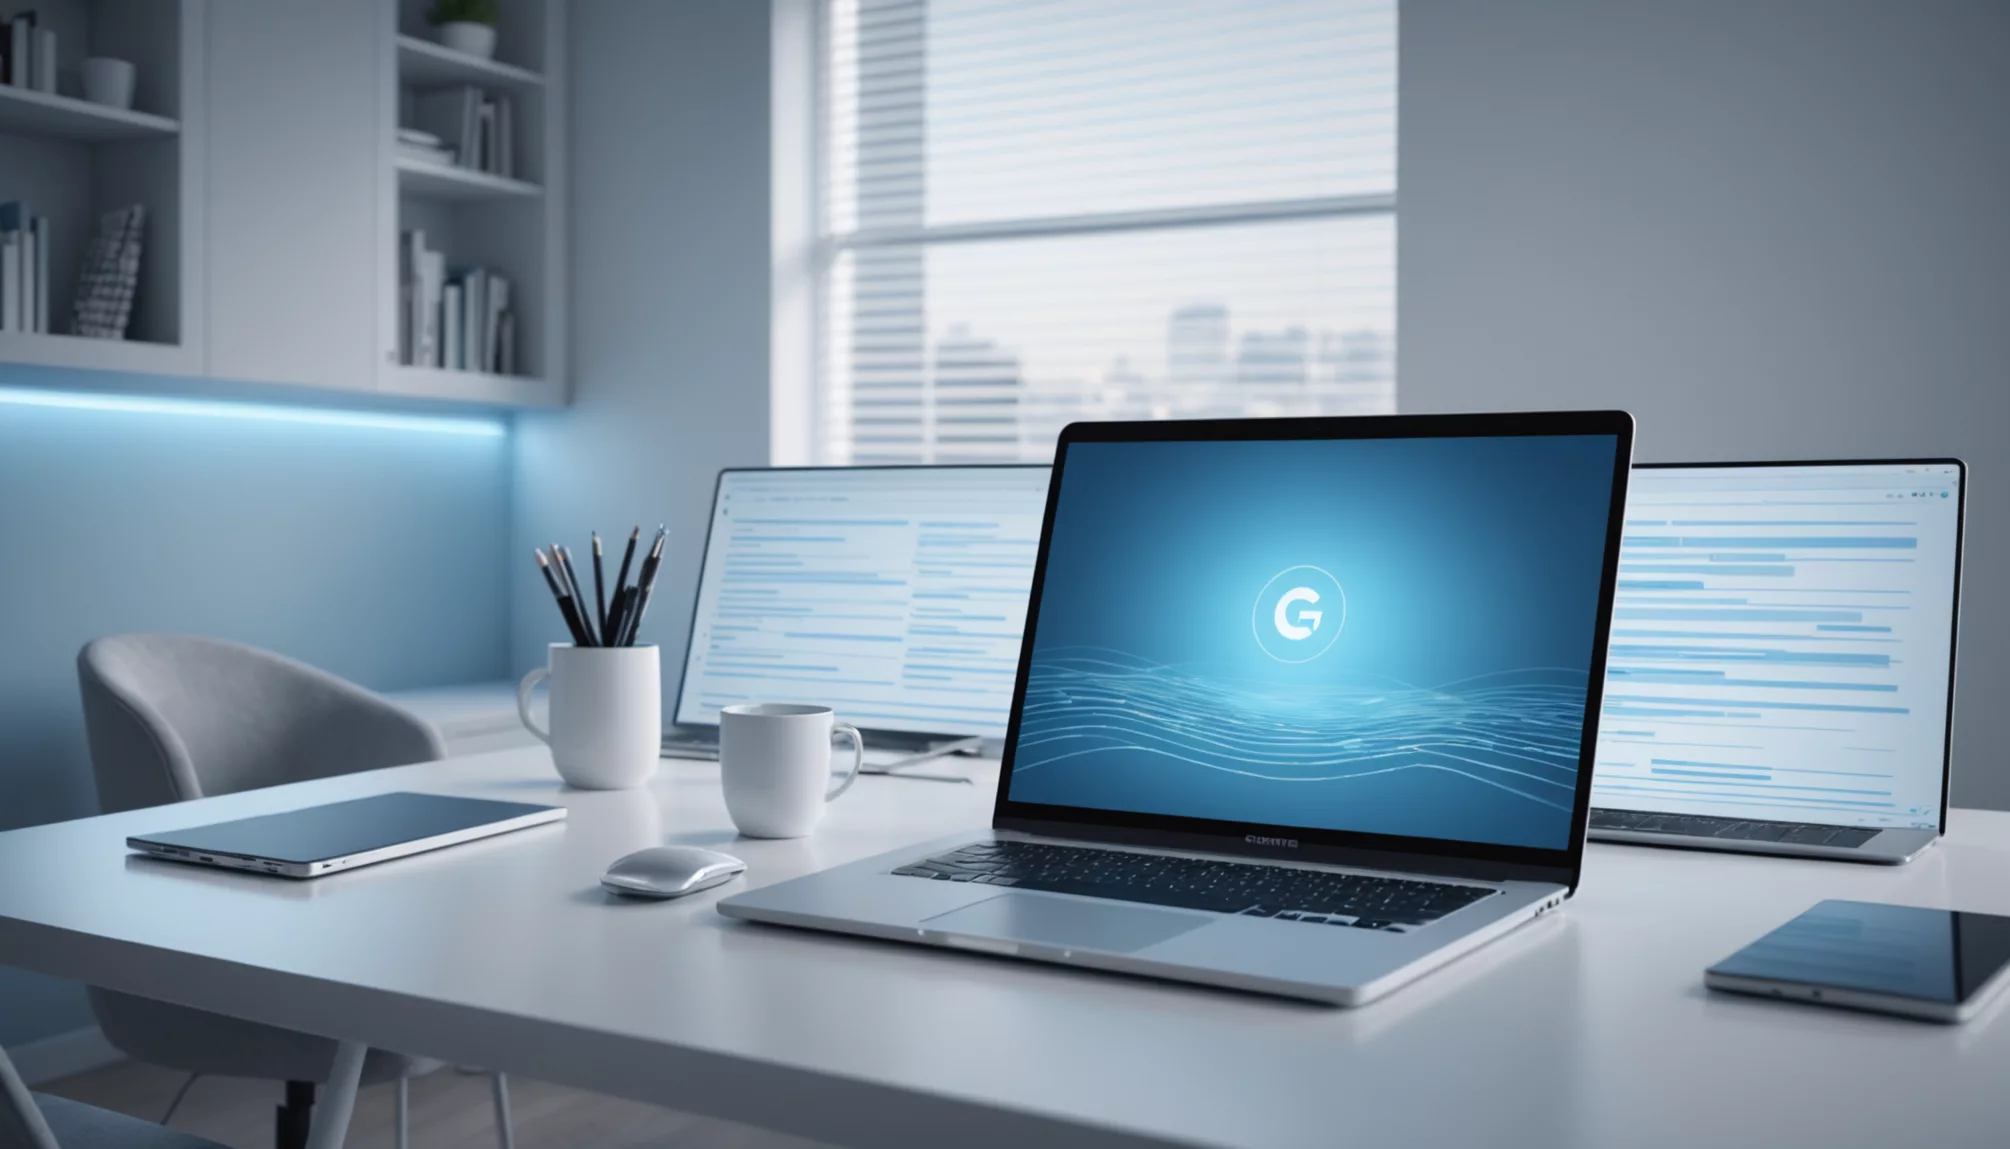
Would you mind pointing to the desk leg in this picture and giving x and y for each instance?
(331, 1117)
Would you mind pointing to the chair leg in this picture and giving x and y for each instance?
(402, 1121)
(331, 1117)
(505, 1136)
(291, 1121)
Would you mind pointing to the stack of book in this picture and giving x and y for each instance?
(24, 269)
(461, 321)
(111, 275)
(28, 54)
(414, 144)
(478, 127)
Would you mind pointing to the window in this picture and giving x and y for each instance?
(1038, 211)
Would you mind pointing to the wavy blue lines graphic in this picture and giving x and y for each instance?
(1497, 740)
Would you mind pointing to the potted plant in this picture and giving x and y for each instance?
(466, 25)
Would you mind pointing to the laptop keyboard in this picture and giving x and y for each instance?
(1733, 829)
(1286, 893)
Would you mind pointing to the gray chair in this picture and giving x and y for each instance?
(172, 718)
(39, 1121)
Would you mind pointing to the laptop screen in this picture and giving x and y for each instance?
(895, 595)
(1782, 643)
(1390, 636)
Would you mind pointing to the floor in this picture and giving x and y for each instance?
(449, 1110)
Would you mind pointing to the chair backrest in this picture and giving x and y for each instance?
(172, 717)
(22, 1125)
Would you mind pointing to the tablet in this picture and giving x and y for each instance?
(1940, 965)
(343, 835)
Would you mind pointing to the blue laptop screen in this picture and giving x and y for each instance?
(1387, 636)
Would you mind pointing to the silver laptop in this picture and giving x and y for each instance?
(894, 594)
(318, 840)
(1304, 707)
(1782, 668)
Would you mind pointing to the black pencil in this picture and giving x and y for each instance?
(620, 611)
(564, 600)
(564, 558)
(645, 582)
(599, 588)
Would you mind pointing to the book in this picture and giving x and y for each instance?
(508, 364)
(20, 49)
(10, 280)
(432, 278)
(450, 327)
(505, 137)
(444, 157)
(43, 68)
(498, 306)
(42, 307)
(30, 306)
(111, 275)
(485, 136)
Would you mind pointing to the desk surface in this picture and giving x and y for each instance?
(1591, 1028)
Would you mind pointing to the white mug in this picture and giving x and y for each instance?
(606, 713)
(775, 763)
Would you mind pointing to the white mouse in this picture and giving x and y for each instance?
(671, 871)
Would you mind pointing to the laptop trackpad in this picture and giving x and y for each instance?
(1111, 926)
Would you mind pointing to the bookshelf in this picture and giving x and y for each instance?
(71, 161)
(250, 118)
(422, 179)
(508, 223)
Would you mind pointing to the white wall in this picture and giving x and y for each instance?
(670, 227)
(1768, 228)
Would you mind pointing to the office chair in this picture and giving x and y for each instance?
(39, 1121)
(172, 718)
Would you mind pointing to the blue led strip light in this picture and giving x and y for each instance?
(215, 409)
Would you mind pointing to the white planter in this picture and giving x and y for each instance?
(108, 81)
(474, 39)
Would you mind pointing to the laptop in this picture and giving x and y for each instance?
(1781, 678)
(318, 840)
(1305, 707)
(893, 594)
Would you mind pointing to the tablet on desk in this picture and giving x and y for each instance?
(343, 835)
(1940, 965)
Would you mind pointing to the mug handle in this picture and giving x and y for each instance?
(857, 757)
(523, 690)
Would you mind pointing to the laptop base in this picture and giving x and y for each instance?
(1888, 848)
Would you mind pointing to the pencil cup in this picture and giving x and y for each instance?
(606, 713)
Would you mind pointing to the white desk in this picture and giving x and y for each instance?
(1589, 1029)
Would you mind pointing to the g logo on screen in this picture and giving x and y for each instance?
(1298, 614)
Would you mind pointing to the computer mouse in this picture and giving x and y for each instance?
(671, 871)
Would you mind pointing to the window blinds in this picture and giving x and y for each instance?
(1037, 211)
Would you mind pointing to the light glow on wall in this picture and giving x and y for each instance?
(220, 409)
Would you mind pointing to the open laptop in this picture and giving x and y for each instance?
(1304, 706)
(895, 595)
(1782, 670)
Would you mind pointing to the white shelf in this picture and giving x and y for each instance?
(472, 387)
(423, 64)
(437, 181)
(77, 351)
(66, 117)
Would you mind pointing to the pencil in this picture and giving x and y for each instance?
(599, 589)
(621, 583)
(645, 582)
(571, 616)
(564, 558)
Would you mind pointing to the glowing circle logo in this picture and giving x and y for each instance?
(1298, 614)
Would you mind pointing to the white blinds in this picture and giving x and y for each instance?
(1038, 211)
